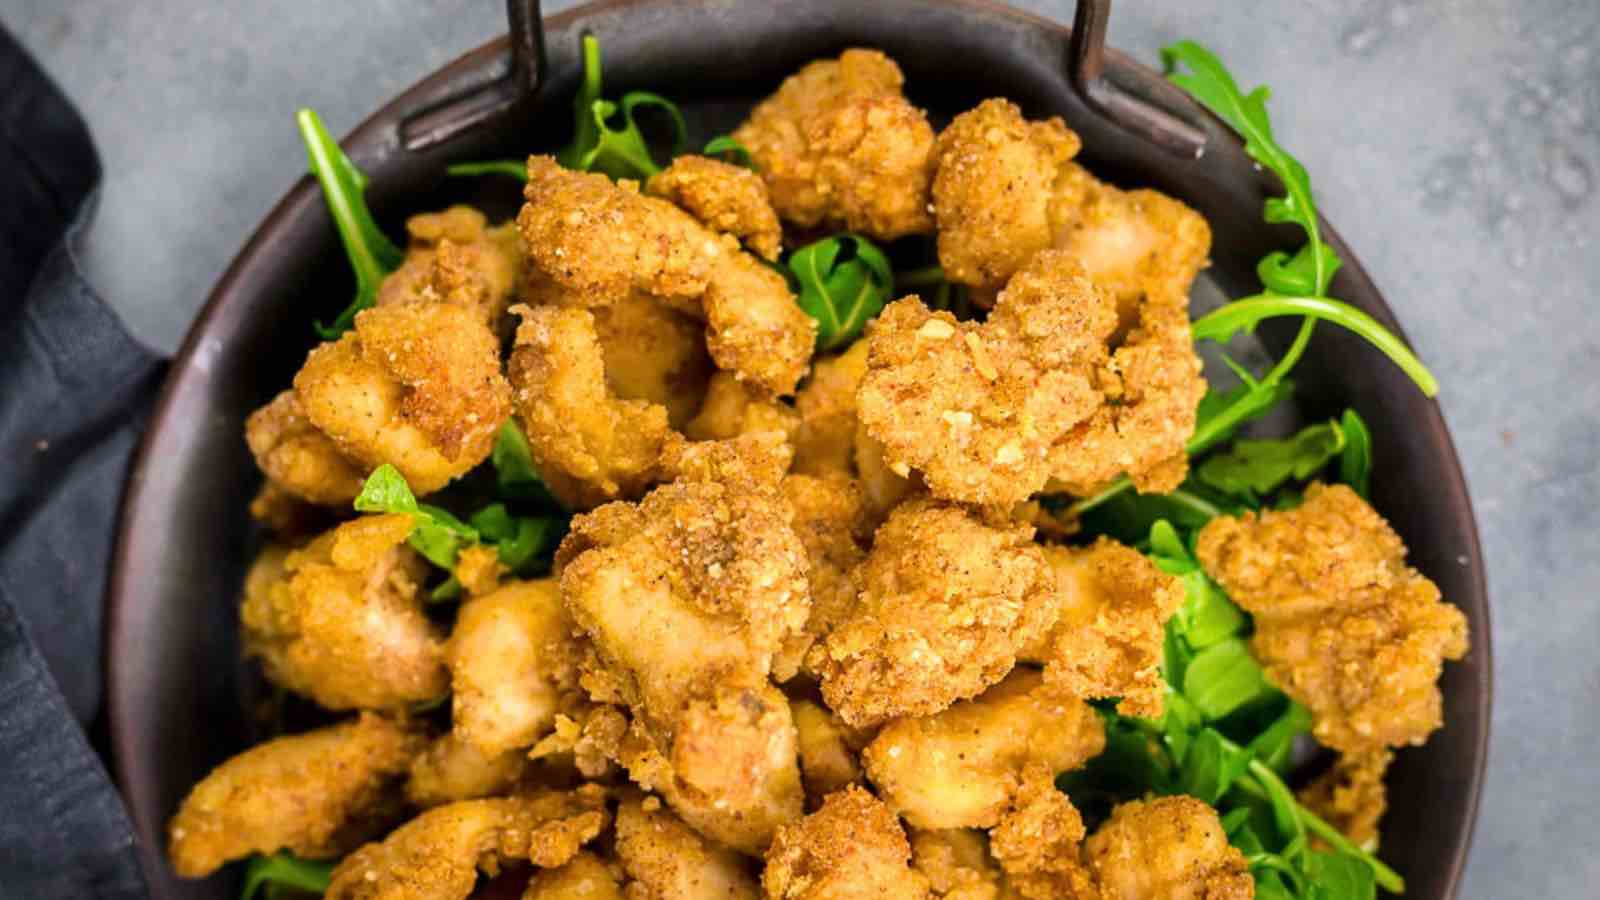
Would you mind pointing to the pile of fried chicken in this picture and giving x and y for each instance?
(805, 639)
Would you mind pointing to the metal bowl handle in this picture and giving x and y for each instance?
(477, 104)
(1139, 103)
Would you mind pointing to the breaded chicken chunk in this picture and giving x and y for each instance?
(452, 769)
(961, 768)
(297, 458)
(831, 439)
(946, 602)
(586, 877)
(455, 257)
(1351, 795)
(341, 619)
(1107, 641)
(1343, 625)
(654, 354)
(316, 795)
(512, 655)
(754, 462)
(437, 855)
(977, 408)
(1170, 848)
(727, 199)
(733, 407)
(853, 847)
(666, 860)
(840, 147)
(755, 327)
(958, 865)
(590, 445)
(829, 750)
(831, 518)
(1037, 843)
(415, 385)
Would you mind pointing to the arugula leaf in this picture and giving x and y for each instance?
(372, 255)
(515, 168)
(1252, 469)
(515, 473)
(1207, 616)
(1211, 765)
(730, 150)
(518, 539)
(844, 281)
(282, 869)
(1129, 516)
(1355, 463)
(1223, 678)
(1339, 876)
(386, 491)
(1273, 745)
(605, 137)
(435, 532)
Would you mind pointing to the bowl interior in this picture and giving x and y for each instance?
(177, 689)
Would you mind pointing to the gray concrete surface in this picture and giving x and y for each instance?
(1454, 142)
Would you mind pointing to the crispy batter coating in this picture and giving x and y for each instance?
(666, 860)
(452, 769)
(946, 602)
(958, 864)
(1171, 848)
(1343, 625)
(753, 462)
(437, 855)
(316, 795)
(961, 768)
(733, 407)
(511, 656)
(832, 520)
(831, 439)
(414, 385)
(996, 180)
(1114, 607)
(586, 877)
(288, 517)
(341, 620)
(755, 327)
(839, 146)
(455, 257)
(977, 407)
(829, 750)
(853, 847)
(655, 354)
(1037, 843)
(297, 458)
(1351, 795)
(590, 446)
(725, 198)
(595, 241)
(479, 569)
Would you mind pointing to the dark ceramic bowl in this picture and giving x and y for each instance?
(175, 679)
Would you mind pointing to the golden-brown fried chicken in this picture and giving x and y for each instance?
(958, 865)
(437, 855)
(666, 860)
(946, 602)
(455, 257)
(961, 768)
(654, 354)
(452, 769)
(1107, 641)
(1170, 848)
(511, 655)
(1343, 625)
(755, 327)
(1351, 795)
(733, 407)
(853, 847)
(753, 462)
(341, 620)
(831, 518)
(1037, 843)
(977, 408)
(831, 439)
(829, 750)
(839, 146)
(727, 199)
(479, 569)
(590, 446)
(586, 877)
(417, 386)
(286, 516)
(316, 795)
(297, 458)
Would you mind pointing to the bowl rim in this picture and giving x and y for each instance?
(376, 130)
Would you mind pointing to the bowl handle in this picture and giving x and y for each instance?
(466, 110)
(1141, 103)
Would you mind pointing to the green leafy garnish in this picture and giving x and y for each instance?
(372, 255)
(1254, 469)
(730, 150)
(844, 281)
(1223, 678)
(515, 168)
(605, 136)
(281, 870)
(1355, 463)
(515, 473)
(435, 533)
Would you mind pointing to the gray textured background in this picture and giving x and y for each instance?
(1454, 143)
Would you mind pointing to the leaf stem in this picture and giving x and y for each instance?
(1388, 878)
(927, 276)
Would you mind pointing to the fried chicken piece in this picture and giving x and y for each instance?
(452, 769)
(957, 864)
(341, 620)
(666, 860)
(1037, 843)
(755, 327)
(479, 569)
(829, 750)
(1170, 848)
(996, 180)
(590, 446)
(946, 602)
(1351, 795)
(654, 354)
(586, 877)
(297, 458)
(977, 408)
(437, 855)
(288, 517)
(754, 462)
(454, 257)
(316, 795)
(961, 768)
(831, 439)
(853, 847)
(733, 407)
(725, 198)
(414, 385)
(831, 518)
(1107, 642)
(511, 656)
(1343, 625)
(840, 147)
